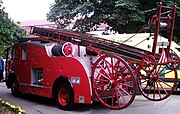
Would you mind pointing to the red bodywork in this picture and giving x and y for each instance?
(53, 67)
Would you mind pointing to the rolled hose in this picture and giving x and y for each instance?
(63, 49)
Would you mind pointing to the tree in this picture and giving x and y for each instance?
(124, 16)
(120, 14)
(9, 30)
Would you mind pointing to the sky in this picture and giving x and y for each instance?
(23, 10)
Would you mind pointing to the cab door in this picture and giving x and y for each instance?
(20, 65)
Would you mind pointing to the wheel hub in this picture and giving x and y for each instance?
(63, 97)
(112, 82)
(155, 77)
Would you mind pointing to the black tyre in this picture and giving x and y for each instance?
(15, 88)
(65, 97)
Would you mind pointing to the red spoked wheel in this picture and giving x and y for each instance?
(157, 84)
(113, 82)
(174, 61)
(148, 63)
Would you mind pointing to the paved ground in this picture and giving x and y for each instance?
(38, 105)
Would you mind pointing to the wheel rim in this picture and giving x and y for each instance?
(63, 97)
(157, 84)
(113, 79)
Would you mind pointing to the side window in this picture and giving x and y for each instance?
(16, 53)
(24, 51)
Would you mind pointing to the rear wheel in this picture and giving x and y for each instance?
(157, 84)
(65, 97)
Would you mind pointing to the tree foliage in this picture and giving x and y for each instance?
(9, 30)
(124, 16)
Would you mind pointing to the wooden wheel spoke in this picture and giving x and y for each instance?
(165, 83)
(100, 85)
(107, 65)
(107, 77)
(117, 64)
(158, 90)
(117, 98)
(112, 66)
(165, 73)
(123, 69)
(149, 91)
(108, 74)
(112, 97)
(117, 67)
(123, 90)
(121, 95)
(157, 70)
(104, 91)
(102, 80)
(120, 72)
(145, 87)
(108, 94)
(160, 71)
(162, 87)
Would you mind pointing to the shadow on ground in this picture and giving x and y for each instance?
(51, 103)
(94, 108)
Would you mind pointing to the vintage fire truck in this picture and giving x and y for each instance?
(73, 67)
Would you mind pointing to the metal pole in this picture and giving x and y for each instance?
(157, 27)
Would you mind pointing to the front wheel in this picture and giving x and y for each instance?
(65, 97)
(15, 88)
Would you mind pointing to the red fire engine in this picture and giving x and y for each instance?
(78, 68)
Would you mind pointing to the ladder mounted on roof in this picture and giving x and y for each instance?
(161, 21)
